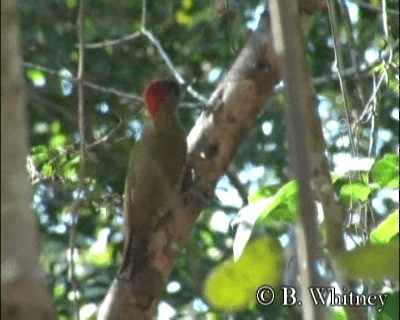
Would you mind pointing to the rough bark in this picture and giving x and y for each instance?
(23, 291)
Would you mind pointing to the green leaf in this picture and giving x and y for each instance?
(56, 127)
(71, 169)
(40, 154)
(72, 3)
(48, 170)
(187, 4)
(356, 191)
(264, 192)
(58, 141)
(37, 77)
(335, 177)
(284, 206)
(387, 229)
(338, 314)
(391, 309)
(372, 261)
(233, 285)
(183, 18)
(99, 258)
(386, 171)
(246, 219)
(59, 290)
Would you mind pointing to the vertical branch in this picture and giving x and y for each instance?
(144, 13)
(24, 292)
(289, 45)
(81, 118)
(384, 20)
(353, 52)
(340, 67)
(310, 160)
(80, 79)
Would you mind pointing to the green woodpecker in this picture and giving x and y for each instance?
(157, 159)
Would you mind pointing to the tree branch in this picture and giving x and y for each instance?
(75, 208)
(231, 172)
(339, 63)
(132, 97)
(289, 45)
(24, 293)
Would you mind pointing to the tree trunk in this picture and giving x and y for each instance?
(23, 291)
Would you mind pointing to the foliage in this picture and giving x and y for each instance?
(232, 284)
(201, 38)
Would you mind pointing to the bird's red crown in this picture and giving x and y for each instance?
(157, 93)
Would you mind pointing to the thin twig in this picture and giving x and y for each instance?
(388, 59)
(365, 67)
(231, 172)
(172, 68)
(144, 13)
(81, 177)
(106, 137)
(350, 72)
(353, 50)
(372, 8)
(318, 81)
(132, 97)
(167, 60)
(115, 42)
(367, 107)
(372, 131)
(340, 67)
(384, 19)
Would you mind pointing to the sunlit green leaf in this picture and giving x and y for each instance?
(71, 169)
(387, 229)
(187, 4)
(207, 238)
(284, 205)
(264, 192)
(335, 177)
(386, 171)
(338, 314)
(40, 154)
(99, 258)
(37, 77)
(72, 3)
(356, 191)
(59, 290)
(232, 285)
(372, 261)
(55, 127)
(48, 170)
(183, 18)
(58, 141)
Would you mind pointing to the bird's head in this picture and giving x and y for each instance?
(163, 94)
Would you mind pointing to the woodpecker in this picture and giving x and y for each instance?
(155, 167)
